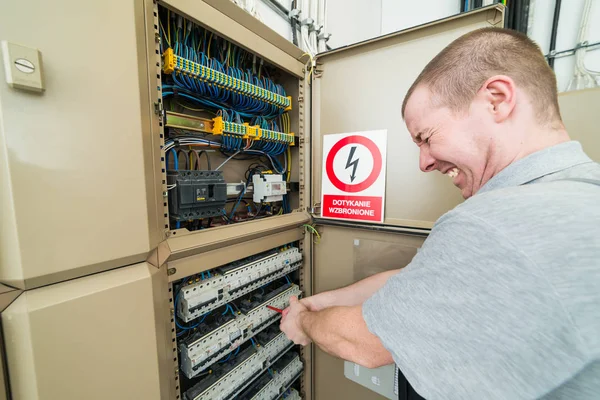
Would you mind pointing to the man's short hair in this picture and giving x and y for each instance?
(457, 73)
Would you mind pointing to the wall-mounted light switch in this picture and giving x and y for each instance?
(22, 66)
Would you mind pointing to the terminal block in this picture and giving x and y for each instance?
(268, 188)
(203, 348)
(197, 194)
(274, 136)
(174, 63)
(235, 280)
(227, 380)
(246, 131)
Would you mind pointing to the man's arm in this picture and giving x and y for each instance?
(352, 295)
(339, 331)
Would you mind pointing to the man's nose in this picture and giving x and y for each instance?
(426, 161)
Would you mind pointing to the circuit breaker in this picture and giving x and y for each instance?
(196, 194)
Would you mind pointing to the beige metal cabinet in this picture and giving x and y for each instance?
(97, 337)
(76, 160)
(82, 191)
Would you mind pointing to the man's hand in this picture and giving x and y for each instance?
(291, 324)
(312, 303)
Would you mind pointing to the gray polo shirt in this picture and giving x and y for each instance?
(503, 299)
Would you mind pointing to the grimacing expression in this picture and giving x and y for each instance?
(454, 144)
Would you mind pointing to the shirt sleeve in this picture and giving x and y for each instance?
(471, 317)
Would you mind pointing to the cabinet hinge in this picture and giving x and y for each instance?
(315, 209)
(158, 110)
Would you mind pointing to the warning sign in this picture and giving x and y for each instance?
(353, 185)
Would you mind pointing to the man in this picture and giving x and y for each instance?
(503, 299)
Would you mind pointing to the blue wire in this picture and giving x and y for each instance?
(208, 272)
(466, 5)
(202, 275)
(288, 280)
(176, 167)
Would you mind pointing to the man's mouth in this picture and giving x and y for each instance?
(452, 172)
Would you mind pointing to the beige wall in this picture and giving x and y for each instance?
(580, 114)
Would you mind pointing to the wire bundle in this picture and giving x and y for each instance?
(193, 43)
(208, 72)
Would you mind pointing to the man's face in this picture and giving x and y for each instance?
(451, 143)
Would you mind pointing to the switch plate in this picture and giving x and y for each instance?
(22, 67)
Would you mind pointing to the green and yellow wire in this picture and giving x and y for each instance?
(314, 231)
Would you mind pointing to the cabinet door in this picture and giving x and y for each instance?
(361, 88)
(76, 179)
(103, 336)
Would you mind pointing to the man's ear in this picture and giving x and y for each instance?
(500, 93)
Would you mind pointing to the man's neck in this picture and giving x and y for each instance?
(524, 144)
(536, 141)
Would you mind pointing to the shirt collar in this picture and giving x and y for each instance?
(544, 162)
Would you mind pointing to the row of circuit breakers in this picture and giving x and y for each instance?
(240, 353)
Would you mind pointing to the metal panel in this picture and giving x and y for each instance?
(73, 165)
(579, 110)
(90, 338)
(7, 296)
(361, 87)
(242, 29)
(189, 254)
(342, 256)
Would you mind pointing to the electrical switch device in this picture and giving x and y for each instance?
(268, 188)
(234, 280)
(203, 348)
(227, 380)
(196, 194)
(22, 67)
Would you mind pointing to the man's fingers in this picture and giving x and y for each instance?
(285, 312)
(293, 300)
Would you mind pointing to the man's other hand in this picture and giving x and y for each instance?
(291, 323)
(312, 303)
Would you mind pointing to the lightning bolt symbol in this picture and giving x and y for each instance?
(352, 164)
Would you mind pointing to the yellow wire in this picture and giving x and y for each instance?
(169, 26)
(228, 52)
(314, 231)
(209, 42)
(195, 109)
(312, 61)
(191, 153)
(163, 29)
(289, 169)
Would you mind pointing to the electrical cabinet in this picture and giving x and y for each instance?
(145, 246)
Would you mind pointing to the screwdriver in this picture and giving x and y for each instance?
(280, 311)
